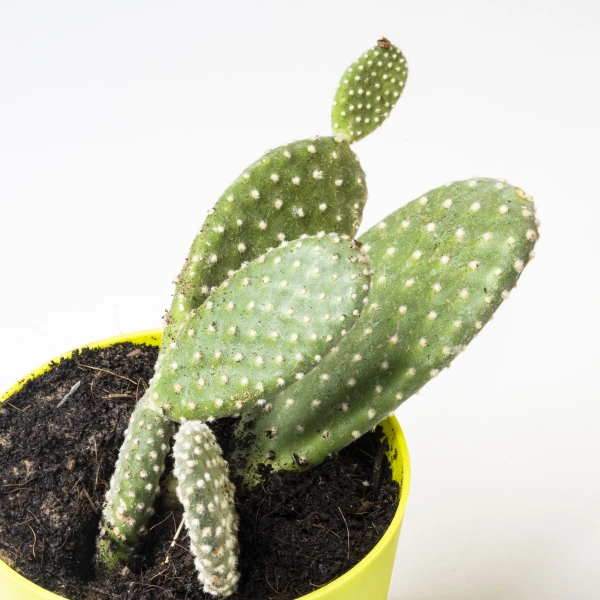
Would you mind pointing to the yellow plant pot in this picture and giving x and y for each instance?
(368, 580)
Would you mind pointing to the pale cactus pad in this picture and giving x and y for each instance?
(207, 497)
(441, 265)
(263, 329)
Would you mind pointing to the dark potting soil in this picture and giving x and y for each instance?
(298, 530)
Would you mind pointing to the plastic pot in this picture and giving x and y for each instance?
(370, 578)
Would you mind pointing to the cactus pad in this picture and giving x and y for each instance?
(441, 266)
(302, 188)
(207, 496)
(368, 91)
(263, 329)
(135, 483)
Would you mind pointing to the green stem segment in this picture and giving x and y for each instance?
(207, 496)
(134, 484)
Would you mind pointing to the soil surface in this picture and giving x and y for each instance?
(298, 530)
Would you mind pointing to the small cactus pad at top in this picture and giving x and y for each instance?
(441, 266)
(263, 329)
(368, 91)
(207, 496)
(303, 188)
(134, 484)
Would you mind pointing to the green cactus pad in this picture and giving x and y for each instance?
(207, 496)
(368, 91)
(263, 329)
(302, 188)
(134, 485)
(441, 266)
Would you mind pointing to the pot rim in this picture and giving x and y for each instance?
(153, 337)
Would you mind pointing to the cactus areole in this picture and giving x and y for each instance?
(311, 338)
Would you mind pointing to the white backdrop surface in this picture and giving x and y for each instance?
(122, 122)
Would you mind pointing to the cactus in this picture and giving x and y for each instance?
(206, 494)
(271, 321)
(214, 344)
(442, 265)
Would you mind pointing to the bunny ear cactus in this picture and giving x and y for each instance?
(287, 338)
(442, 265)
(225, 346)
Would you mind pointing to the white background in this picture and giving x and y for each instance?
(122, 122)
